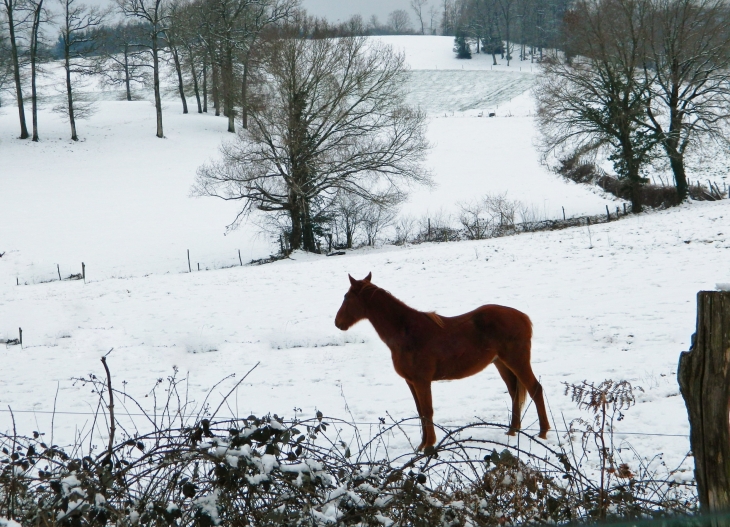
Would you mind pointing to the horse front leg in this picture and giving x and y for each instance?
(422, 394)
(420, 413)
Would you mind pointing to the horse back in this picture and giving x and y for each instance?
(494, 322)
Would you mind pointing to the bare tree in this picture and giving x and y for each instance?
(332, 120)
(15, 20)
(399, 21)
(79, 37)
(505, 8)
(359, 220)
(124, 58)
(174, 41)
(232, 30)
(689, 74)
(433, 20)
(599, 99)
(37, 15)
(349, 216)
(418, 7)
(192, 50)
(6, 64)
(154, 13)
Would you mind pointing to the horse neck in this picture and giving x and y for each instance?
(389, 316)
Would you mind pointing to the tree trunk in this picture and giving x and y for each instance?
(676, 161)
(195, 83)
(69, 92)
(228, 88)
(16, 71)
(216, 90)
(33, 69)
(704, 380)
(308, 242)
(631, 167)
(156, 83)
(205, 86)
(348, 236)
(295, 235)
(636, 202)
(178, 69)
(126, 72)
(244, 97)
(506, 42)
(671, 145)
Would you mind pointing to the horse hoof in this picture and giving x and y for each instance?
(512, 432)
(543, 434)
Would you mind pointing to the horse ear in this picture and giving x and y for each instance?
(368, 277)
(352, 280)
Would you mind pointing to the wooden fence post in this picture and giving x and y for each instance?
(704, 380)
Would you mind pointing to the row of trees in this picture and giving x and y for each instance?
(24, 20)
(209, 45)
(326, 145)
(198, 38)
(638, 79)
(497, 26)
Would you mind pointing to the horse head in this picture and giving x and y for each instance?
(352, 309)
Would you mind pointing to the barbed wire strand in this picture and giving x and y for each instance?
(358, 423)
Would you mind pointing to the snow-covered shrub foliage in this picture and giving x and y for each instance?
(267, 471)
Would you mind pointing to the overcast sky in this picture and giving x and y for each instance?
(335, 10)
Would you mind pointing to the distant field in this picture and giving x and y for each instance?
(461, 90)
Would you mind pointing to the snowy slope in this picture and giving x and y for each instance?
(613, 301)
(119, 199)
(623, 309)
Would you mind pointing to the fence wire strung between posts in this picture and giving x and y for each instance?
(183, 465)
(492, 216)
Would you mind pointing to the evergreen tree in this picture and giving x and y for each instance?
(461, 46)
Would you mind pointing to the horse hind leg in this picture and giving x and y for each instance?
(517, 393)
(523, 371)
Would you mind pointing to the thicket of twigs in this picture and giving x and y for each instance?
(171, 468)
(652, 195)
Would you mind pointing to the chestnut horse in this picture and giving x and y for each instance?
(427, 347)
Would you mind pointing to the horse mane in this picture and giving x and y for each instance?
(436, 318)
(432, 315)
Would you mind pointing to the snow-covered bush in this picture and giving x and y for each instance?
(205, 471)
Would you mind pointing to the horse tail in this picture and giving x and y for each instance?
(521, 395)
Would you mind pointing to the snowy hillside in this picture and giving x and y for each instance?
(609, 301)
(118, 200)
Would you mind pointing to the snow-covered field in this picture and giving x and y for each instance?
(613, 301)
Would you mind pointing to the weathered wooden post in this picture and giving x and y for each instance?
(704, 380)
